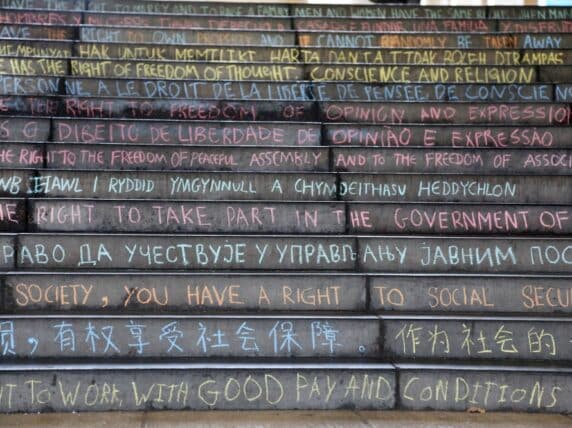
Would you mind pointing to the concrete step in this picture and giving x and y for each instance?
(286, 419)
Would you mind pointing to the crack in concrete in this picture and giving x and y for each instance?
(362, 418)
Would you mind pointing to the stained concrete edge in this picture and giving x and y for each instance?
(286, 419)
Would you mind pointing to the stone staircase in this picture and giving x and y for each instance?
(264, 206)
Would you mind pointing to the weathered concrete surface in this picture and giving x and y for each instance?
(287, 419)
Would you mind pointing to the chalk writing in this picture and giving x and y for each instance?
(185, 37)
(526, 13)
(13, 182)
(12, 215)
(395, 26)
(27, 48)
(465, 255)
(187, 22)
(24, 129)
(214, 186)
(305, 91)
(505, 57)
(461, 219)
(456, 294)
(371, 159)
(67, 156)
(183, 292)
(477, 339)
(536, 26)
(36, 31)
(318, 186)
(123, 51)
(17, 85)
(45, 18)
(563, 92)
(398, 113)
(355, 91)
(379, 187)
(287, 91)
(43, 4)
(30, 106)
(184, 252)
(431, 40)
(189, 8)
(183, 389)
(33, 67)
(380, 11)
(7, 252)
(158, 216)
(20, 155)
(192, 109)
(447, 136)
(179, 337)
(198, 133)
(409, 74)
(244, 159)
(491, 390)
(232, 54)
(188, 70)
